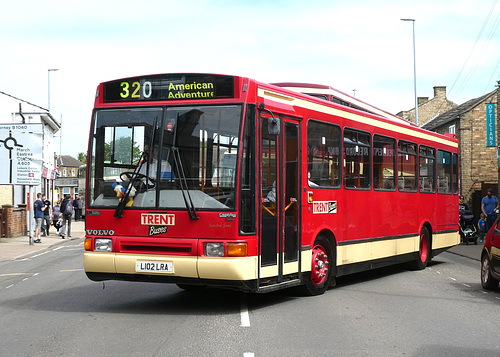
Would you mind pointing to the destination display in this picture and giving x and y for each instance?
(169, 87)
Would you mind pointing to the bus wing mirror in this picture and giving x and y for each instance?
(273, 125)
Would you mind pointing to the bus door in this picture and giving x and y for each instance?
(280, 205)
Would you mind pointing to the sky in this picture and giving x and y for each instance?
(360, 47)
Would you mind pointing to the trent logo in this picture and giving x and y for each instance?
(157, 219)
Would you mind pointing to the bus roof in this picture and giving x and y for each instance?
(320, 89)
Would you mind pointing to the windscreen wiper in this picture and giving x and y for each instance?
(184, 185)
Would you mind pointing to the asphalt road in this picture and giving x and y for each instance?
(48, 307)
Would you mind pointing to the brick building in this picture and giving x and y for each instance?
(479, 167)
(67, 180)
(429, 108)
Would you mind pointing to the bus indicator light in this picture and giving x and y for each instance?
(237, 249)
(310, 198)
(88, 244)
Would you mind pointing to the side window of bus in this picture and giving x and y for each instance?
(384, 163)
(443, 171)
(455, 174)
(427, 175)
(357, 155)
(323, 154)
(407, 166)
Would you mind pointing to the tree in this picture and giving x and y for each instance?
(82, 157)
(124, 152)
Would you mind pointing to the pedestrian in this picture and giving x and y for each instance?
(67, 212)
(39, 208)
(56, 217)
(489, 207)
(481, 226)
(462, 206)
(47, 216)
(76, 207)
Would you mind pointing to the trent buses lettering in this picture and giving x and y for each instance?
(324, 207)
(157, 219)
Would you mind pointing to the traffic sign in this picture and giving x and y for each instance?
(21, 148)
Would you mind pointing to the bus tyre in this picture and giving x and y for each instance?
(487, 281)
(322, 267)
(424, 252)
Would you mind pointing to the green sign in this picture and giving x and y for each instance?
(490, 125)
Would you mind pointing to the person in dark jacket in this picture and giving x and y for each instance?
(76, 207)
(66, 227)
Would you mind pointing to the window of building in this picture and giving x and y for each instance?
(64, 173)
(384, 163)
(407, 166)
(357, 170)
(73, 173)
(451, 129)
(323, 154)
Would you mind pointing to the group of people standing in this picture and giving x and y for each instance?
(59, 216)
(490, 206)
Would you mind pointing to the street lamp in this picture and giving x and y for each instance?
(48, 83)
(414, 70)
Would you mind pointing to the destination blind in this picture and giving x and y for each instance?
(169, 87)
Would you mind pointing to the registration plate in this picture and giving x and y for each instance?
(163, 267)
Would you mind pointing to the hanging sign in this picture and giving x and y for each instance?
(490, 125)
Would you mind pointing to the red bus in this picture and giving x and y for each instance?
(216, 180)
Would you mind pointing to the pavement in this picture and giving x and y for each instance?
(19, 247)
(15, 248)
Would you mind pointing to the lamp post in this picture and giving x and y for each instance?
(48, 84)
(414, 70)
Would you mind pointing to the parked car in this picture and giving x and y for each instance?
(490, 258)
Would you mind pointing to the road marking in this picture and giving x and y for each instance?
(25, 279)
(245, 317)
(466, 285)
(248, 354)
(40, 254)
(60, 247)
(66, 270)
(7, 287)
(12, 274)
(452, 278)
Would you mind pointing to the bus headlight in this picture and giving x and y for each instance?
(103, 245)
(214, 249)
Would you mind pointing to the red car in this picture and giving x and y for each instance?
(490, 258)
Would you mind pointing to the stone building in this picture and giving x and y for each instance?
(479, 166)
(429, 108)
(67, 179)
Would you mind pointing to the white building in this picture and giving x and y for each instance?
(18, 111)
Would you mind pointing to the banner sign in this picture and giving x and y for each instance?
(490, 125)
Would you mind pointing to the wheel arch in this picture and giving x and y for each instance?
(428, 225)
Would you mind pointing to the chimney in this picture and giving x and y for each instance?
(422, 100)
(440, 92)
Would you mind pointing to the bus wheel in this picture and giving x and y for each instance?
(322, 266)
(424, 252)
